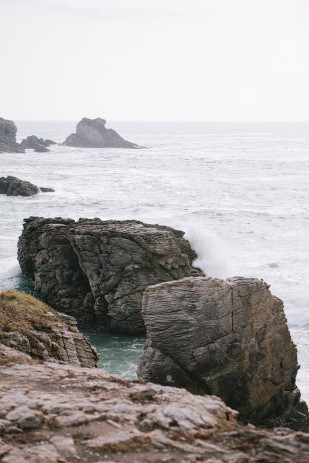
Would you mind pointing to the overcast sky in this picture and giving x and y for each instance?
(154, 59)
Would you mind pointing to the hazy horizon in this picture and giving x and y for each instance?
(155, 60)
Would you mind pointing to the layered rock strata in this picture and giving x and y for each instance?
(98, 270)
(51, 413)
(8, 142)
(37, 144)
(92, 133)
(228, 338)
(35, 329)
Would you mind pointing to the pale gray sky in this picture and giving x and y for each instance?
(154, 59)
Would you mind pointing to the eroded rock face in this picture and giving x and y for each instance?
(38, 144)
(98, 270)
(8, 142)
(51, 413)
(13, 186)
(92, 133)
(228, 338)
(37, 330)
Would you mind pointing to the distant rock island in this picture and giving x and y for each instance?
(92, 133)
(13, 186)
(37, 144)
(8, 142)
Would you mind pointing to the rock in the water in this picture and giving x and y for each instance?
(92, 133)
(98, 270)
(228, 338)
(46, 190)
(35, 329)
(8, 137)
(12, 186)
(38, 144)
(51, 413)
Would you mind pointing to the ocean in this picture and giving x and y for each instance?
(240, 191)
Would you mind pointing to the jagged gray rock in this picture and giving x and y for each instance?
(38, 144)
(13, 186)
(228, 338)
(92, 133)
(51, 413)
(8, 142)
(98, 270)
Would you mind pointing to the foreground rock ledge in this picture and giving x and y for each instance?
(52, 413)
(98, 270)
(92, 133)
(227, 338)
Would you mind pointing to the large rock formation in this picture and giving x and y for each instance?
(35, 329)
(51, 413)
(227, 338)
(97, 271)
(37, 144)
(92, 133)
(13, 186)
(8, 137)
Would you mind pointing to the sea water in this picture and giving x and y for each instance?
(240, 191)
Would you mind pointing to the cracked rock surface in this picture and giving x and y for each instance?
(98, 270)
(228, 338)
(51, 413)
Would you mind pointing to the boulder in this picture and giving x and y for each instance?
(92, 133)
(8, 142)
(37, 330)
(98, 270)
(37, 144)
(228, 338)
(13, 186)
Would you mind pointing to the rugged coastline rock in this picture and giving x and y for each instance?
(98, 270)
(228, 338)
(37, 330)
(38, 144)
(13, 186)
(92, 133)
(8, 142)
(51, 413)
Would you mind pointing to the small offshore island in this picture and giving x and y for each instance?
(227, 338)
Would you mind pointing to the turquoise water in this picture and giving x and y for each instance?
(119, 355)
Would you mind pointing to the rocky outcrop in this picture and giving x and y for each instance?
(35, 329)
(92, 133)
(98, 270)
(8, 132)
(227, 338)
(37, 144)
(51, 413)
(12, 186)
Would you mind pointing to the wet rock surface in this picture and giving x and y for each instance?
(8, 142)
(98, 270)
(38, 144)
(51, 413)
(35, 329)
(13, 186)
(228, 338)
(92, 133)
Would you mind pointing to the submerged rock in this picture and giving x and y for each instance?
(47, 190)
(98, 270)
(51, 413)
(38, 144)
(13, 186)
(92, 133)
(228, 338)
(35, 329)
(8, 142)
